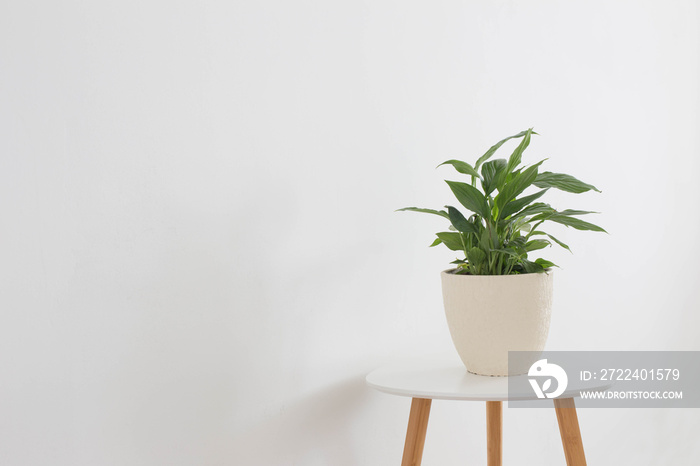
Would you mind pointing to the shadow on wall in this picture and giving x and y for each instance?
(317, 429)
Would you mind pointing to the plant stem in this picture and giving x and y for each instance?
(533, 229)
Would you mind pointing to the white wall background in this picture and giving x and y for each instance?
(200, 260)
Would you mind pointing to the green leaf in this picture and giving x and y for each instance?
(476, 255)
(452, 240)
(495, 147)
(517, 204)
(477, 260)
(576, 212)
(517, 155)
(563, 182)
(462, 167)
(516, 186)
(509, 251)
(535, 244)
(492, 174)
(489, 239)
(517, 243)
(545, 263)
(532, 267)
(471, 198)
(574, 223)
(520, 226)
(536, 208)
(436, 242)
(441, 213)
(459, 222)
(558, 242)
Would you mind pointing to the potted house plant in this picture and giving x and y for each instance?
(497, 298)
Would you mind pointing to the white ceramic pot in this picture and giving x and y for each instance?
(489, 315)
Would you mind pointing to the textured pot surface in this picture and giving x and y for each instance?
(489, 315)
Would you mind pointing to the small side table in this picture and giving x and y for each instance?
(425, 382)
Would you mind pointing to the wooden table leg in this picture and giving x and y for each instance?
(494, 429)
(570, 433)
(415, 436)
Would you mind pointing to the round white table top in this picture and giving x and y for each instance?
(449, 380)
